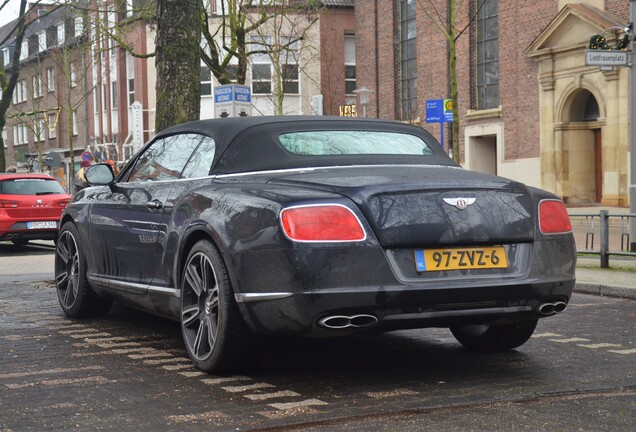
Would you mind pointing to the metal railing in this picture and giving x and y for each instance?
(603, 234)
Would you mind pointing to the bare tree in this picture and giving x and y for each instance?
(8, 83)
(284, 40)
(445, 18)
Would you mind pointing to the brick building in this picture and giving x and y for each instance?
(530, 109)
(76, 84)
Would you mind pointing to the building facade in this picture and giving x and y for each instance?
(529, 107)
(76, 85)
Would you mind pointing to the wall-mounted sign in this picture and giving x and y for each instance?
(606, 58)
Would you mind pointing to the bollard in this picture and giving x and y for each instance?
(604, 226)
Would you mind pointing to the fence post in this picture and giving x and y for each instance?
(604, 239)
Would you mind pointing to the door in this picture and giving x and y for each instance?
(598, 165)
(126, 226)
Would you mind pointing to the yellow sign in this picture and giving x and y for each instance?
(348, 111)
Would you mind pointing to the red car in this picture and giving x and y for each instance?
(30, 207)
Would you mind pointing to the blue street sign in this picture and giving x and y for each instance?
(439, 111)
(232, 93)
(434, 110)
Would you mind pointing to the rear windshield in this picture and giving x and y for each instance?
(327, 143)
(30, 187)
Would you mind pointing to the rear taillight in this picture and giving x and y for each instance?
(321, 223)
(8, 204)
(553, 217)
(64, 202)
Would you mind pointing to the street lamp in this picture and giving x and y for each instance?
(363, 94)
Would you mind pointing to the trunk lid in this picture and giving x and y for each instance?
(416, 206)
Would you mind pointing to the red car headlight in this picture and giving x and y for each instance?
(553, 217)
(321, 223)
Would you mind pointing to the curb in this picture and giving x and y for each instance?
(605, 290)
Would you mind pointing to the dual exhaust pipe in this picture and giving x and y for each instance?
(548, 309)
(339, 322)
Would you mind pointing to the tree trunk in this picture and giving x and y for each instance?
(178, 62)
(452, 66)
(7, 93)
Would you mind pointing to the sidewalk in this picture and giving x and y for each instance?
(617, 281)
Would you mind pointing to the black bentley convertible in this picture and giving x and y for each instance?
(313, 226)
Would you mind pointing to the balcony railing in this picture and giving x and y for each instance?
(603, 234)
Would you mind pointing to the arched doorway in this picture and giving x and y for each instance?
(583, 141)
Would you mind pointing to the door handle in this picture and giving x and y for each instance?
(154, 205)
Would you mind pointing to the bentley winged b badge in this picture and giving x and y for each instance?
(460, 203)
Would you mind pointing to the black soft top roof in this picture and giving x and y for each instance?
(251, 143)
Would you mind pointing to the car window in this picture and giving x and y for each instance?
(201, 161)
(165, 158)
(353, 142)
(30, 187)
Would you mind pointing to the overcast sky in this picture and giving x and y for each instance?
(9, 12)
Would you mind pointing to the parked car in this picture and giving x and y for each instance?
(30, 207)
(313, 226)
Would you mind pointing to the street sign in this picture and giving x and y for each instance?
(439, 111)
(87, 156)
(233, 100)
(606, 58)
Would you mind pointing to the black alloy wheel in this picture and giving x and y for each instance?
(75, 295)
(503, 337)
(214, 333)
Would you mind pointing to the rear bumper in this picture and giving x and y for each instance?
(397, 308)
(12, 230)
(294, 291)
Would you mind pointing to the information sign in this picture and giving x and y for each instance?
(233, 100)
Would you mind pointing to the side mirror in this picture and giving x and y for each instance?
(99, 175)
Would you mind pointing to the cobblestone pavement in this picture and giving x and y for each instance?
(128, 371)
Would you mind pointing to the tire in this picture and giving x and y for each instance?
(215, 336)
(494, 337)
(75, 295)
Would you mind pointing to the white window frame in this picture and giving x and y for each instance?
(61, 33)
(42, 41)
(36, 80)
(24, 51)
(75, 126)
(5, 56)
(290, 57)
(114, 96)
(40, 130)
(73, 74)
(79, 26)
(261, 60)
(20, 92)
(50, 79)
(52, 130)
(20, 134)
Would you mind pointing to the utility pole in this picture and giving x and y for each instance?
(632, 129)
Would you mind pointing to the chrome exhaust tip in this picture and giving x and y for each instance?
(338, 322)
(560, 307)
(548, 309)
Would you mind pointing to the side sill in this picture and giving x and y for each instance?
(255, 297)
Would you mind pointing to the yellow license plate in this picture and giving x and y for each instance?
(461, 258)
